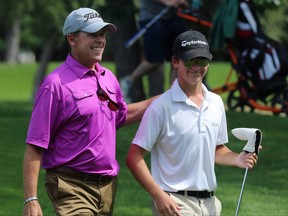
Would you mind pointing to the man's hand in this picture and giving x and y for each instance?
(32, 208)
(245, 159)
(166, 206)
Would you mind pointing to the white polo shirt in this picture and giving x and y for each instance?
(182, 139)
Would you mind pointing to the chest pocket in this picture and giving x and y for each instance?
(86, 101)
(111, 92)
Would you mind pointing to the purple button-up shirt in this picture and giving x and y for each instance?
(75, 128)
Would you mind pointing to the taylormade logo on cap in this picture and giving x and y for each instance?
(86, 20)
(192, 42)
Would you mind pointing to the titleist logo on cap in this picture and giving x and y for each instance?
(91, 16)
(187, 43)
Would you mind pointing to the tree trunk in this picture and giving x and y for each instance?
(122, 14)
(13, 42)
(44, 60)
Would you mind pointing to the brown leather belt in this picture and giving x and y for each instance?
(86, 177)
(198, 194)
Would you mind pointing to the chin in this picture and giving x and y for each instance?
(98, 59)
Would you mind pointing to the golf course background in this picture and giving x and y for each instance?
(266, 189)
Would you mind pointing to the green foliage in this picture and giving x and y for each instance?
(38, 20)
(41, 19)
(268, 3)
(275, 23)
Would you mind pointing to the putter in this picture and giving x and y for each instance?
(254, 138)
(135, 37)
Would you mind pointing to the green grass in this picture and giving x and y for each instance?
(266, 190)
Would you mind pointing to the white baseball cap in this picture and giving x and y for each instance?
(86, 20)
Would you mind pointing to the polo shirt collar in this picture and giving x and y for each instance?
(81, 70)
(179, 95)
(177, 92)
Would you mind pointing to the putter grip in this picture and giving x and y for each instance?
(257, 141)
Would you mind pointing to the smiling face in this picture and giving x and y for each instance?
(192, 74)
(87, 48)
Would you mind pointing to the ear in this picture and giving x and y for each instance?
(71, 39)
(175, 61)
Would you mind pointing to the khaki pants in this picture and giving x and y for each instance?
(192, 206)
(71, 196)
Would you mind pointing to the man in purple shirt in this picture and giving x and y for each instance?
(72, 131)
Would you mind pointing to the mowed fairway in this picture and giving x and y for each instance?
(266, 190)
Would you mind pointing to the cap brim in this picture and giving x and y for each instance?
(97, 26)
(190, 54)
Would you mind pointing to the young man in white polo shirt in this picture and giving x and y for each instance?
(185, 130)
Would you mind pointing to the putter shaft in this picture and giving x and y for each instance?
(241, 192)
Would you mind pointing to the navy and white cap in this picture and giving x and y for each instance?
(86, 20)
(191, 44)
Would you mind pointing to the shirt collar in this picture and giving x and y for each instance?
(81, 70)
(177, 92)
(179, 95)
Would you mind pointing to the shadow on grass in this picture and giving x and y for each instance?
(15, 108)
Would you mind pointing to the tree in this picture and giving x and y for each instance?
(12, 13)
(13, 41)
(50, 14)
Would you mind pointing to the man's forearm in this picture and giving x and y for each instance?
(224, 156)
(31, 167)
(138, 167)
(137, 110)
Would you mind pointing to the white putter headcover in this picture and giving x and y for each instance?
(252, 135)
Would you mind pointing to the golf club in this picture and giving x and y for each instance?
(135, 37)
(254, 137)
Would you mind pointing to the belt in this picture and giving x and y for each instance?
(198, 194)
(86, 177)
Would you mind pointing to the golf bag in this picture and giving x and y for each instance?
(260, 58)
(260, 62)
